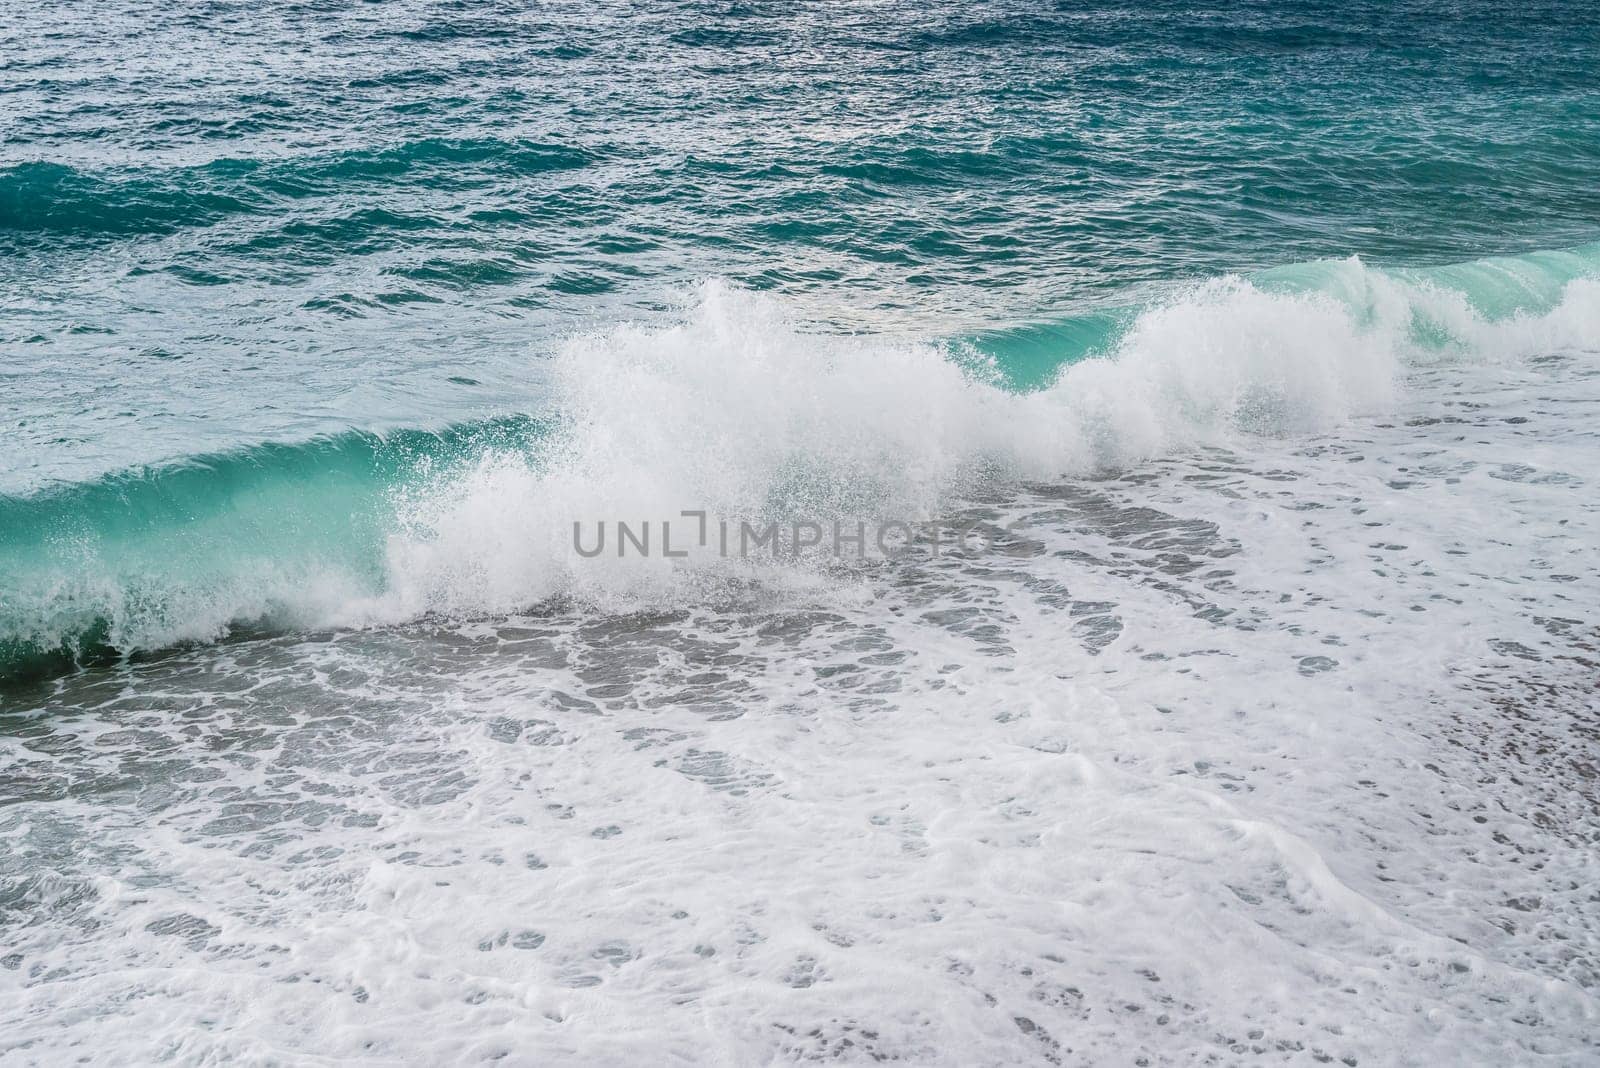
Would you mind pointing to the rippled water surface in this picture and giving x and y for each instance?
(225, 222)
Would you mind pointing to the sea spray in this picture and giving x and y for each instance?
(740, 412)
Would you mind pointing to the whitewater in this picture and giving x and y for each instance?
(740, 413)
(1298, 646)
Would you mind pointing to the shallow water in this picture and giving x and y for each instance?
(1227, 756)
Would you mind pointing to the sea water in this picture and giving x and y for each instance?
(1253, 349)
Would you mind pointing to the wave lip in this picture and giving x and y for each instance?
(737, 411)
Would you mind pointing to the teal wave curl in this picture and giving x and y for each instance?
(91, 570)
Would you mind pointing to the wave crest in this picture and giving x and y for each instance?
(742, 413)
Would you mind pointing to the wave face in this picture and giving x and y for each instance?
(274, 536)
(738, 411)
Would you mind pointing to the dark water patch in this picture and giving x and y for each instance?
(39, 199)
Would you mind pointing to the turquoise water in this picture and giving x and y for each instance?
(1255, 346)
(220, 226)
(326, 221)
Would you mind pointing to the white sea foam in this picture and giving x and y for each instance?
(1272, 753)
(742, 414)
(745, 415)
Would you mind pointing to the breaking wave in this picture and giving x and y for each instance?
(741, 412)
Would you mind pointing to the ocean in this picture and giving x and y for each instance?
(852, 530)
